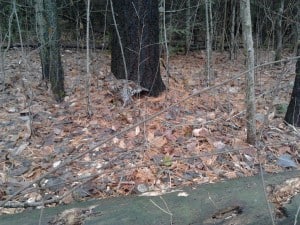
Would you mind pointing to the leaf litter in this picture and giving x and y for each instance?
(201, 140)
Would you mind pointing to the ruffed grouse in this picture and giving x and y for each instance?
(126, 89)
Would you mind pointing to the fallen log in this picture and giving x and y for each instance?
(240, 201)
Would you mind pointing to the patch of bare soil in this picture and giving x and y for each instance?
(199, 140)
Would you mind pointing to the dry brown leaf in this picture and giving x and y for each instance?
(158, 142)
(170, 136)
(238, 143)
(37, 171)
(192, 146)
(219, 145)
(211, 115)
(137, 130)
(144, 175)
(150, 136)
(230, 175)
(209, 160)
(283, 149)
(68, 199)
(122, 144)
(201, 132)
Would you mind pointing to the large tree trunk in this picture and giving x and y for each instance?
(48, 34)
(137, 22)
(292, 115)
(250, 92)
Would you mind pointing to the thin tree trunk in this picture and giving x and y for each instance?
(18, 25)
(188, 26)
(278, 30)
(165, 38)
(208, 43)
(211, 24)
(297, 25)
(224, 26)
(3, 50)
(48, 34)
(232, 31)
(43, 36)
(250, 91)
(88, 73)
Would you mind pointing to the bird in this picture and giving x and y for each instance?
(126, 89)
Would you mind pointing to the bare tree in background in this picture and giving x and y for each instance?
(188, 26)
(297, 24)
(88, 72)
(278, 29)
(224, 26)
(233, 44)
(49, 38)
(208, 40)
(250, 91)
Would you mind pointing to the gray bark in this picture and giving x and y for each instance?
(297, 25)
(249, 50)
(208, 41)
(49, 38)
(224, 26)
(278, 30)
(188, 26)
(232, 31)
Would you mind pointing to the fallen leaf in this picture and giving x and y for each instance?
(200, 132)
(137, 130)
(286, 161)
(122, 144)
(219, 145)
(158, 142)
(56, 164)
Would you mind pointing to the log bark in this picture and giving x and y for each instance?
(239, 201)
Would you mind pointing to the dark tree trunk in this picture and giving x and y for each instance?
(292, 115)
(48, 33)
(138, 25)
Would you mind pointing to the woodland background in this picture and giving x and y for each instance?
(90, 146)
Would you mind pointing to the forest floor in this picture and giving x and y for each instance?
(199, 140)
